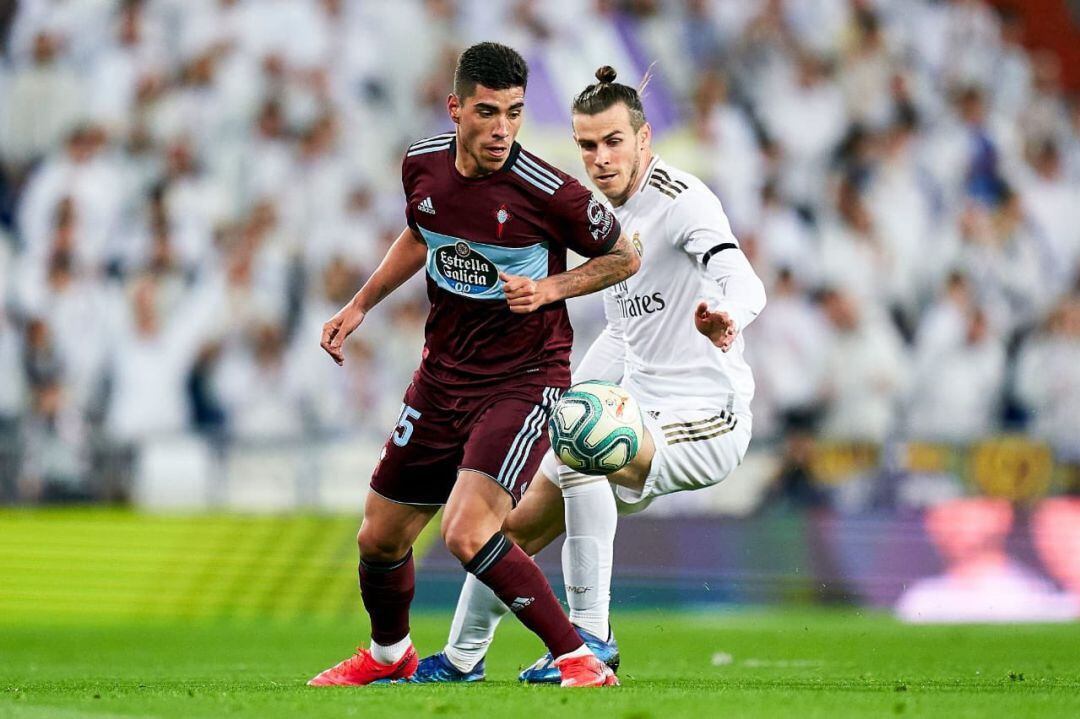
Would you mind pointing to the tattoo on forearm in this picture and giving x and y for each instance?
(594, 275)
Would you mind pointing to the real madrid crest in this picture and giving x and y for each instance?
(637, 244)
(502, 216)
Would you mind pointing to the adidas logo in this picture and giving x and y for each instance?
(520, 603)
(427, 206)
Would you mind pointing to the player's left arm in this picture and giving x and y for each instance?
(526, 295)
(589, 228)
(734, 295)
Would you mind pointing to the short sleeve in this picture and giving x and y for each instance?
(407, 180)
(582, 223)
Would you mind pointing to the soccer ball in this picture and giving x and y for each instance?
(596, 427)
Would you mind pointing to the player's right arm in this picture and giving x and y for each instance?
(404, 259)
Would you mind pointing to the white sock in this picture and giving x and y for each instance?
(591, 519)
(477, 615)
(582, 651)
(390, 654)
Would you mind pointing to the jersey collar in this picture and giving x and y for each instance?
(644, 180)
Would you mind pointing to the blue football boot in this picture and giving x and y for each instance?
(544, 670)
(437, 669)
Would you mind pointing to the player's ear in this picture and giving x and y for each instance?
(645, 135)
(453, 107)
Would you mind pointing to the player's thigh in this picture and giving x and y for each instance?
(389, 529)
(418, 464)
(539, 518)
(694, 449)
(634, 474)
(508, 437)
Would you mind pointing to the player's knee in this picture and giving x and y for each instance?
(376, 547)
(463, 542)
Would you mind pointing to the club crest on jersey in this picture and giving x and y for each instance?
(637, 244)
(468, 271)
(502, 216)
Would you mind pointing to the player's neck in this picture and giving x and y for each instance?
(638, 179)
(468, 166)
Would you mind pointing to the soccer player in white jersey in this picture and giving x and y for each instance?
(673, 340)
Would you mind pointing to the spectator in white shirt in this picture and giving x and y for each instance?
(959, 375)
(805, 115)
(137, 56)
(1053, 206)
(92, 180)
(853, 255)
(900, 199)
(40, 105)
(255, 388)
(338, 399)
(1048, 379)
(784, 241)
(787, 349)
(152, 357)
(864, 371)
(76, 309)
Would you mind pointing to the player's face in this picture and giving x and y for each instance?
(488, 121)
(612, 152)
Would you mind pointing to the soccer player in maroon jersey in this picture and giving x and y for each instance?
(491, 224)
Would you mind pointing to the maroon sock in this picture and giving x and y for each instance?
(519, 583)
(387, 590)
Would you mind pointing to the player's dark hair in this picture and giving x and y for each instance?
(605, 93)
(492, 65)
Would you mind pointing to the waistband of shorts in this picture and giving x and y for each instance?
(523, 382)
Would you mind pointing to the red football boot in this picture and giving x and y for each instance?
(586, 671)
(361, 668)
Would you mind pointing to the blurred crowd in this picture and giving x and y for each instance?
(190, 188)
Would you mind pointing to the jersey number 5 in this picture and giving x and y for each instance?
(403, 432)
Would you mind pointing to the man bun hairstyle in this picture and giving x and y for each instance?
(605, 93)
(606, 74)
(492, 65)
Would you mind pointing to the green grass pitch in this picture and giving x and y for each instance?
(759, 663)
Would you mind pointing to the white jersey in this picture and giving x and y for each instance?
(688, 255)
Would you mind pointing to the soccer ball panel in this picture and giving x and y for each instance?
(596, 428)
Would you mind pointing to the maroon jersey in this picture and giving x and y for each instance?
(519, 220)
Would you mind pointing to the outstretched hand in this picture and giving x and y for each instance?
(338, 329)
(717, 326)
(523, 294)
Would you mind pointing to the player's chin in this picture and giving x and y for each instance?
(493, 160)
(610, 184)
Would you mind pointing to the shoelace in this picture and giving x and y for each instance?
(351, 662)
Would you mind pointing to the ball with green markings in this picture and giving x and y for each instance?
(596, 427)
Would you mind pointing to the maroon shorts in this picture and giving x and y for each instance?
(502, 434)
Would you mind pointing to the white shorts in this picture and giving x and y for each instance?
(694, 448)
